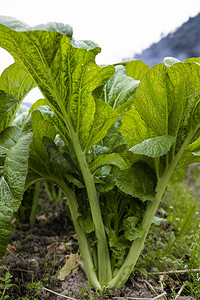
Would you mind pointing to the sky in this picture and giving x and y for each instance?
(121, 28)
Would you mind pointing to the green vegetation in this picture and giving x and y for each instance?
(174, 243)
(5, 284)
(111, 142)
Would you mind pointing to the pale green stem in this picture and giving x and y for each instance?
(137, 245)
(82, 239)
(104, 265)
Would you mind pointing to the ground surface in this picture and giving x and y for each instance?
(36, 255)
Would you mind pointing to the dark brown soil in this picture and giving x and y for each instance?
(35, 256)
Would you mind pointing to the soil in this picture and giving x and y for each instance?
(35, 256)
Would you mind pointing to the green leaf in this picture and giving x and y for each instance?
(16, 82)
(134, 130)
(39, 158)
(56, 156)
(117, 244)
(137, 181)
(154, 147)
(187, 158)
(7, 102)
(104, 118)
(12, 185)
(108, 159)
(41, 128)
(157, 221)
(113, 138)
(131, 228)
(151, 100)
(136, 69)
(118, 90)
(6, 215)
(64, 70)
(170, 61)
(86, 223)
(17, 25)
(8, 138)
(38, 104)
(167, 104)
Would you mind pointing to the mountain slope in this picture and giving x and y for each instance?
(182, 43)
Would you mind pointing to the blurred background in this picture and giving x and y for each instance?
(128, 29)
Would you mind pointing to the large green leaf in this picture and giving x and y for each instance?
(152, 102)
(108, 159)
(134, 129)
(39, 158)
(137, 181)
(104, 118)
(118, 90)
(16, 83)
(12, 184)
(8, 138)
(7, 102)
(166, 103)
(64, 69)
(154, 147)
(136, 69)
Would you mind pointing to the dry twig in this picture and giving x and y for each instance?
(131, 298)
(174, 272)
(60, 295)
(180, 291)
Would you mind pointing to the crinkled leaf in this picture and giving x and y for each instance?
(56, 156)
(6, 215)
(183, 90)
(42, 106)
(7, 102)
(39, 158)
(12, 185)
(117, 244)
(154, 147)
(104, 118)
(137, 181)
(8, 138)
(108, 159)
(136, 69)
(17, 25)
(15, 81)
(114, 138)
(64, 70)
(167, 104)
(151, 100)
(74, 180)
(86, 223)
(134, 129)
(132, 230)
(118, 90)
